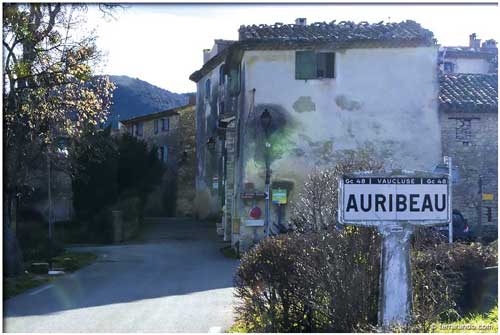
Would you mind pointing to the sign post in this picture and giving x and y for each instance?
(395, 203)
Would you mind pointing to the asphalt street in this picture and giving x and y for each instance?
(173, 278)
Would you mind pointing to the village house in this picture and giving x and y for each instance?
(288, 98)
(468, 118)
(474, 58)
(172, 132)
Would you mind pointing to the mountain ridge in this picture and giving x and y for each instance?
(135, 97)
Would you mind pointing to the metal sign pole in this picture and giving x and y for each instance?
(447, 161)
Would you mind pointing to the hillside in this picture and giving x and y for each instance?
(134, 97)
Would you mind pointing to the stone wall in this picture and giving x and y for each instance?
(470, 139)
(186, 166)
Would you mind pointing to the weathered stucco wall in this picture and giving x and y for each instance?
(471, 140)
(207, 201)
(381, 97)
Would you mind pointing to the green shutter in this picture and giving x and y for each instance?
(305, 65)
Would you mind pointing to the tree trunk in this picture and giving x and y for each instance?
(13, 257)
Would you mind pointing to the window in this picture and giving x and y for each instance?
(222, 77)
(221, 108)
(165, 124)
(489, 214)
(138, 129)
(449, 67)
(464, 131)
(165, 153)
(314, 65)
(207, 89)
(156, 126)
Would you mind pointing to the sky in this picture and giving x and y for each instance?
(163, 43)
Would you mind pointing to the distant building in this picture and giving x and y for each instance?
(475, 58)
(469, 126)
(294, 96)
(172, 132)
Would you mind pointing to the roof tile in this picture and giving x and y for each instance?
(468, 92)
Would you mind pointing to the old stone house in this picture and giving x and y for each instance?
(469, 128)
(172, 132)
(287, 98)
(474, 58)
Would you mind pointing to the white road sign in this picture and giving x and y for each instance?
(384, 198)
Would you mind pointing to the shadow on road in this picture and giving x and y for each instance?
(169, 258)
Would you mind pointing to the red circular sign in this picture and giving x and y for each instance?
(255, 213)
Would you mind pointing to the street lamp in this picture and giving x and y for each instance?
(265, 122)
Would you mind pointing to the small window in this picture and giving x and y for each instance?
(222, 77)
(138, 129)
(160, 153)
(156, 126)
(464, 131)
(221, 108)
(314, 65)
(165, 152)
(165, 124)
(207, 89)
(449, 67)
(489, 214)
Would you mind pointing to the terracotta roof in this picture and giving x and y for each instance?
(466, 52)
(466, 92)
(342, 35)
(156, 115)
(338, 32)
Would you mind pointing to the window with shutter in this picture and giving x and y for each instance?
(314, 65)
(165, 153)
(305, 65)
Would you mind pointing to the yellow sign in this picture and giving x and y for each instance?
(487, 196)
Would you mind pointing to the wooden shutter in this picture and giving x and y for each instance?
(305, 65)
(330, 65)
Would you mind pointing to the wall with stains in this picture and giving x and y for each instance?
(385, 98)
(207, 201)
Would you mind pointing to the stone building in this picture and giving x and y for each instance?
(172, 132)
(474, 58)
(287, 98)
(469, 128)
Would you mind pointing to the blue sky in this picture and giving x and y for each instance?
(163, 43)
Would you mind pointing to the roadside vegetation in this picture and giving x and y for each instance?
(37, 275)
(322, 277)
(473, 323)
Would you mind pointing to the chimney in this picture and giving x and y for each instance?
(301, 21)
(474, 42)
(206, 55)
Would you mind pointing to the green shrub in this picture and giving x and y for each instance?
(312, 282)
(440, 272)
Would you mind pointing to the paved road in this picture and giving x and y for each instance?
(172, 279)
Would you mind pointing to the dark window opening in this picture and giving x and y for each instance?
(221, 108)
(139, 129)
(314, 65)
(165, 124)
(156, 126)
(207, 89)
(489, 214)
(222, 77)
(449, 67)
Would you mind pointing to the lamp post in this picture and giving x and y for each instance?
(265, 121)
